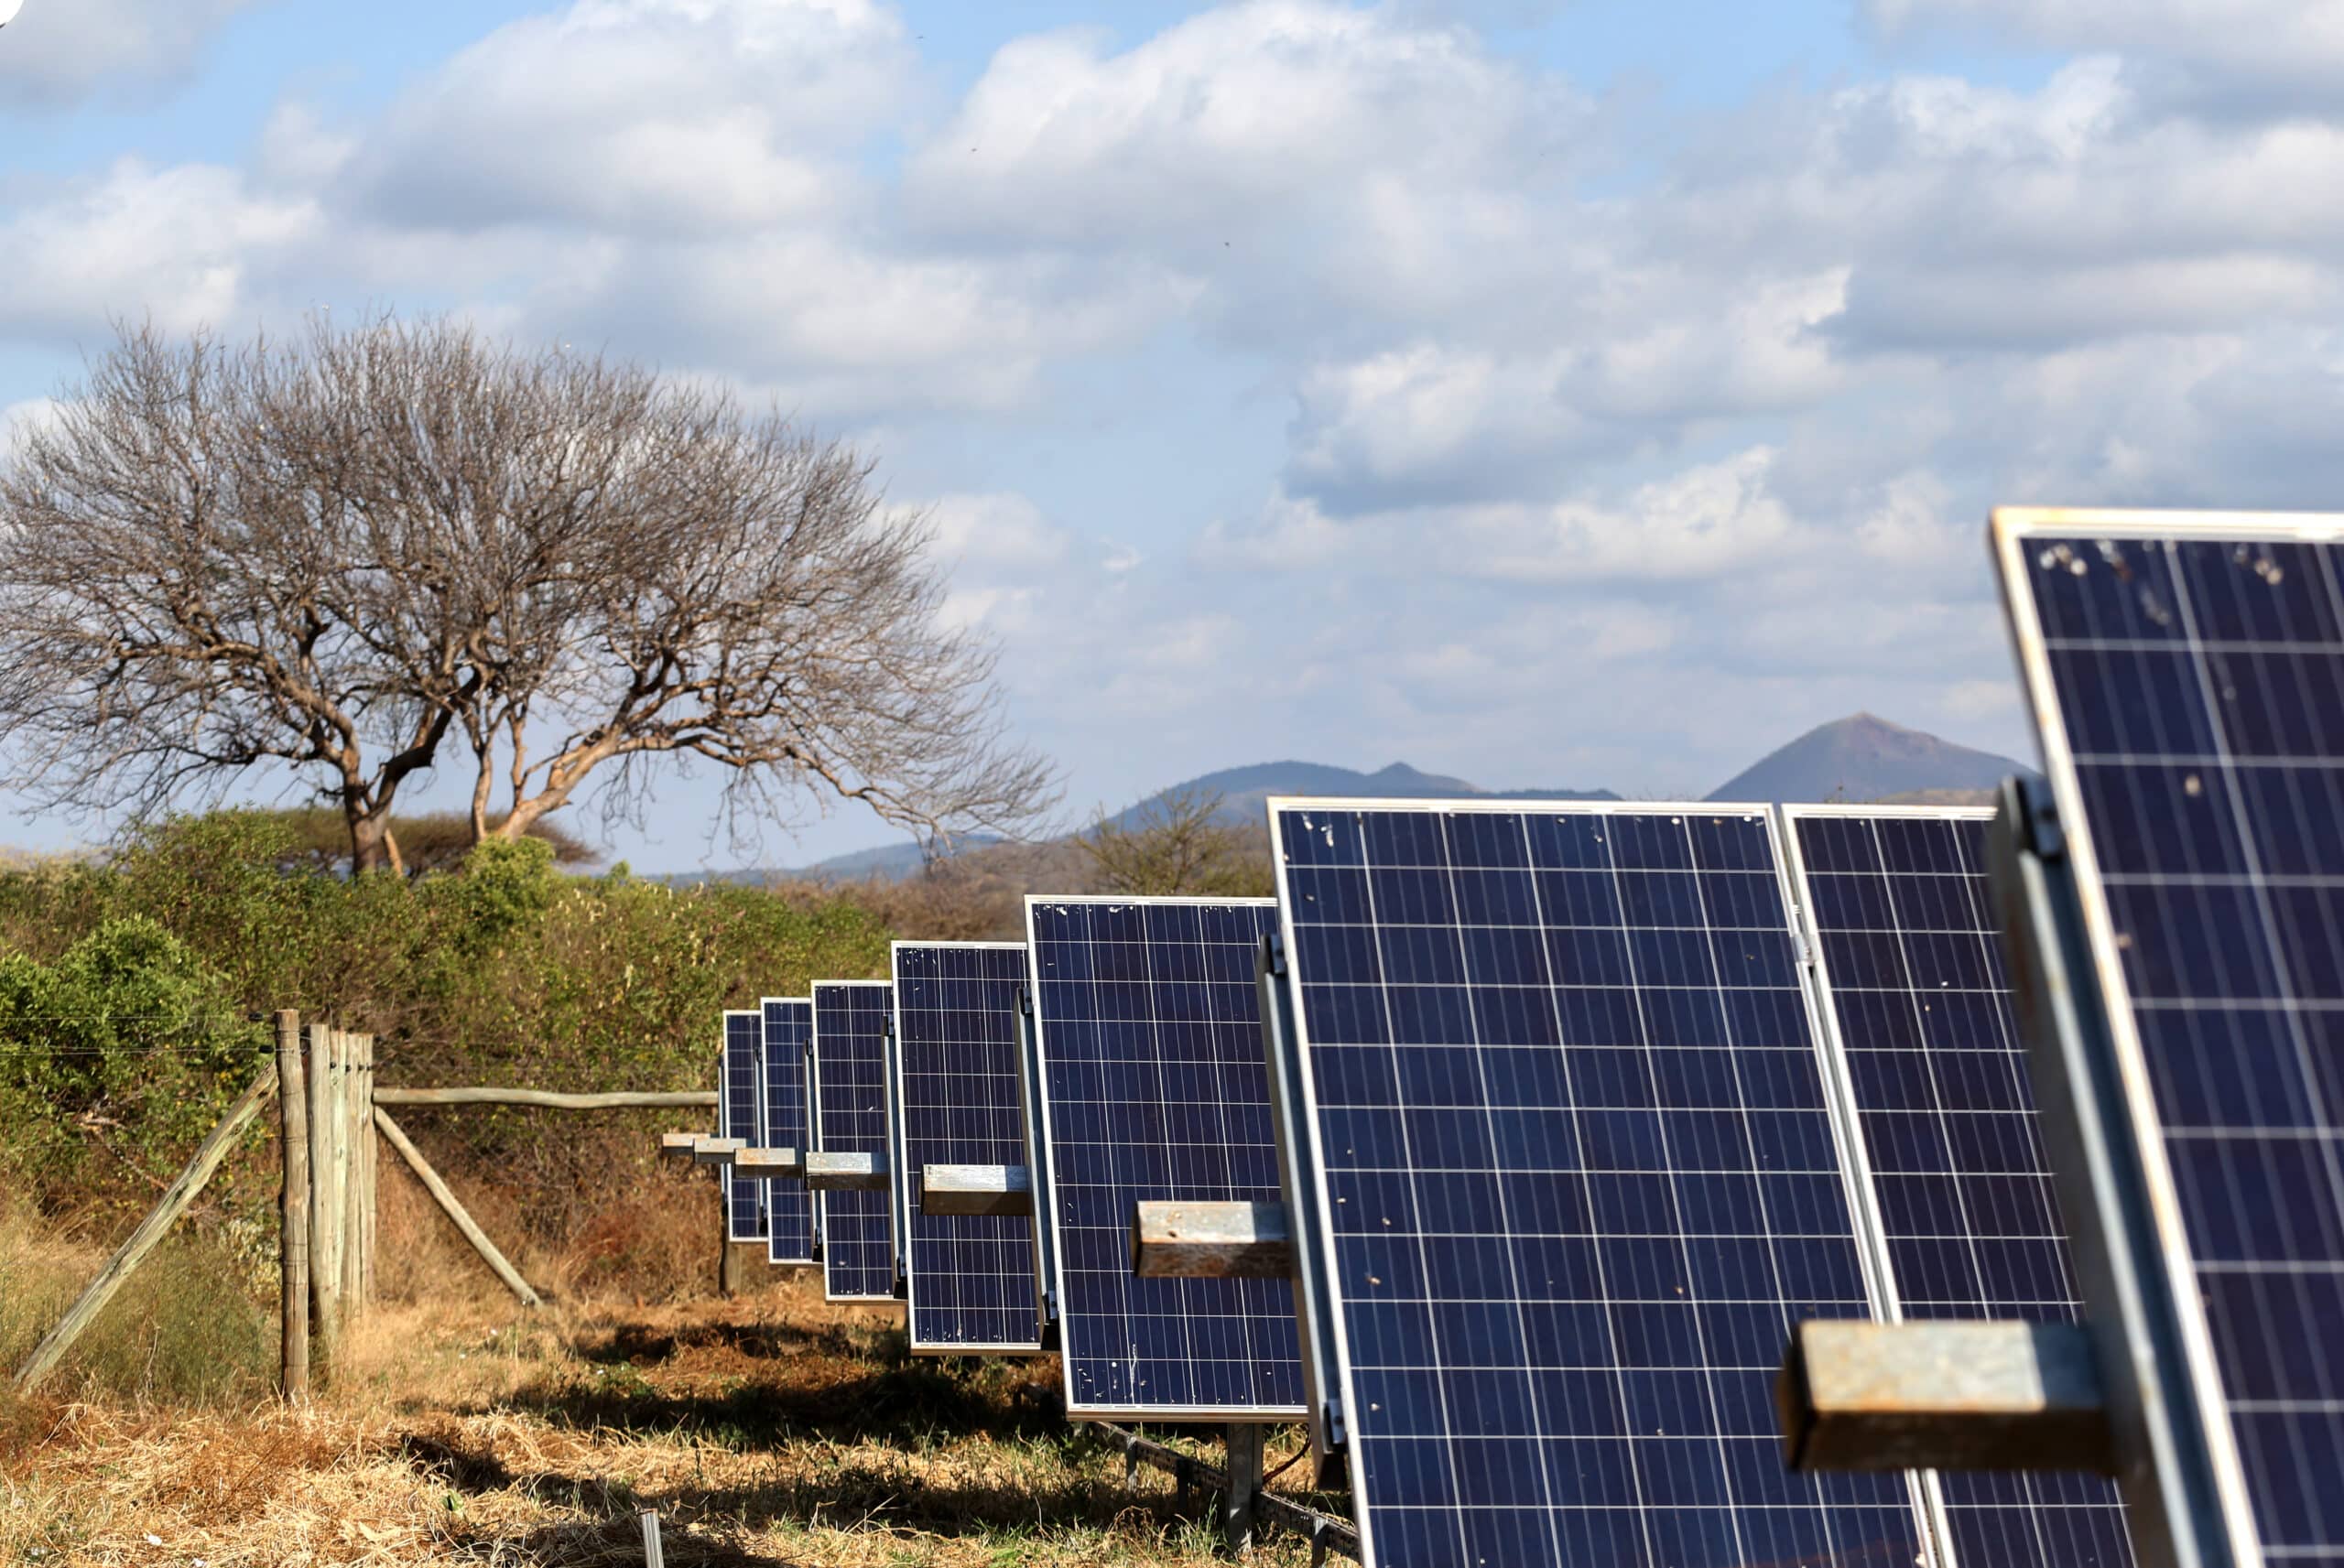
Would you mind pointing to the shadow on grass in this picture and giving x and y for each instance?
(639, 1344)
(887, 1496)
(835, 1403)
(619, 1541)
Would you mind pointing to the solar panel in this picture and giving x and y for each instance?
(851, 1118)
(1909, 967)
(790, 1208)
(2186, 676)
(1567, 1117)
(1148, 1037)
(968, 1279)
(744, 1214)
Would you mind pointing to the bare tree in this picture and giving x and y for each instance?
(1176, 843)
(333, 553)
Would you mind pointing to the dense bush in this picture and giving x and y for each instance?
(132, 992)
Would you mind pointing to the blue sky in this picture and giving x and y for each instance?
(1570, 395)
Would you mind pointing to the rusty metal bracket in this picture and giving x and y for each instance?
(1942, 1396)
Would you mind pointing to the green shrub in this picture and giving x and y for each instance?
(127, 1045)
(129, 990)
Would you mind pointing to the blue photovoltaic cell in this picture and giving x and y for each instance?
(1910, 955)
(970, 1280)
(2189, 686)
(790, 1208)
(1149, 1033)
(1582, 1177)
(744, 1218)
(851, 1118)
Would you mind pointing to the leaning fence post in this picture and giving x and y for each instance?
(133, 1252)
(293, 1209)
(454, 1209)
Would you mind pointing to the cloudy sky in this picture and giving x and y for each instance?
(1560, 394)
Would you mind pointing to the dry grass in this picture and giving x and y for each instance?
(772, 1430)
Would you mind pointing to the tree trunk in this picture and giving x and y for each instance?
(369, 833)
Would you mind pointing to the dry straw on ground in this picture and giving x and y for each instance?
(774, 1429)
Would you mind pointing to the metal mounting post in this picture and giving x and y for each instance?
(975, 1189)
(846, 1172)
(1212, 1240)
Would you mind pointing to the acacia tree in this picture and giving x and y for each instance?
(349, 552)
(1178, 843)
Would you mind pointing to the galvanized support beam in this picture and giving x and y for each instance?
(846, 1172)
(1211, 1241)
(768, 1163)
(680, 1145)
(975, 1189)
(1942, 1396)
(717, 1151)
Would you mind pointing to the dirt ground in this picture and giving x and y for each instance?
(771, 1430)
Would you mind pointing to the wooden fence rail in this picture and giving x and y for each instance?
(331, 1127)
(680, 1099)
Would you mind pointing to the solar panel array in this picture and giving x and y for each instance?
(2189, 681)
(782, 1124)
(968, 1279)
(1152, 1086)
(1569, 1123)
(851, 1118)
(1909, 961)
(745, 1216)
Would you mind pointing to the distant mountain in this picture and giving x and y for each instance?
(1243, 793)
(1244, 790)
(1864, 758)
(886, 860)
(1860, 759)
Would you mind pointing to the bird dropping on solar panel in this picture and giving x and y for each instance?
(1909, 968)
(1568, 1121)
(2186, 676)
(1148, 1034)
(782, 1124)
(745, 1214)
(970, 1280)
(851, 1118)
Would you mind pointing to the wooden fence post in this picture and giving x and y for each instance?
(349, 1097)
(325, 1197)
(369, 1165)
(293, 1211)
(133, 1252)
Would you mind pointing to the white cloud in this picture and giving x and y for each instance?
(1524, 398)
(2231, 51)
(178, 244)
(1001, 530)
(1705, 520)
(646, 116)
(59, 52)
